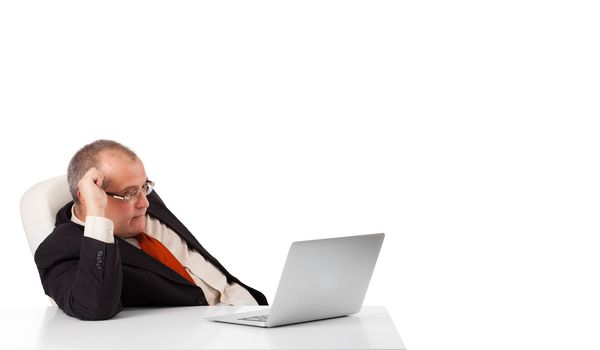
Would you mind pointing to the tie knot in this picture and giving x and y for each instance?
(142, 235)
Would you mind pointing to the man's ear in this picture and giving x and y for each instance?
(79, 198)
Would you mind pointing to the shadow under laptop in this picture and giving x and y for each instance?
(332, 333)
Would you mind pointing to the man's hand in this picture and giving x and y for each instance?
(91, 194)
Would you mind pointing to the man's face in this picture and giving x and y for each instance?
(125, 175)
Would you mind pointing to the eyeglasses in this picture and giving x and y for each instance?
(132, 196)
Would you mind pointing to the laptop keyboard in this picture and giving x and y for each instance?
(261, 318)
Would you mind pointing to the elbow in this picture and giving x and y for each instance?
(99, 315)
(97, 312)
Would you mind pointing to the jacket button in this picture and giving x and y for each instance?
(99, 259)
(99, 266)
(100, 253)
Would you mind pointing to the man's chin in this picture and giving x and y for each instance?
(138, 225)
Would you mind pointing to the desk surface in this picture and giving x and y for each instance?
(186, 328)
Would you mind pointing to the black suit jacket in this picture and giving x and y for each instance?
(93, 280)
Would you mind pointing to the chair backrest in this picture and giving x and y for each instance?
(39, 206)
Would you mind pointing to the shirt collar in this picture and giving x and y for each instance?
(74, 217)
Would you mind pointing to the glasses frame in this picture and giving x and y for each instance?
(134, 195)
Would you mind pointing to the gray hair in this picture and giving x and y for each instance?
(87, 158)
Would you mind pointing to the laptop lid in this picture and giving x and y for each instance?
(325, 278)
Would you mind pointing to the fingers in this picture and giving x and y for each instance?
(90, 191)
(96, 176)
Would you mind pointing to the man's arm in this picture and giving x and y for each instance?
(83, 275)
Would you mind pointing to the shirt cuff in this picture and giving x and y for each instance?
(100, 228)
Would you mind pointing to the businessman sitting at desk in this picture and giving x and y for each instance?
(118, 245)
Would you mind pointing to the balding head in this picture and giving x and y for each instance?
(92, 155)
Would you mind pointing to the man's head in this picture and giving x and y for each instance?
(124, 174)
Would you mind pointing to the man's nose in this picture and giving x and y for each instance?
(142, 201)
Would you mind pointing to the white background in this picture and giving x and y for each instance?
(466, 131)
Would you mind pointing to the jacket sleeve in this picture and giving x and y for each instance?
(83, 275)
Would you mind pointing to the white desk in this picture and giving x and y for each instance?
(186, 328)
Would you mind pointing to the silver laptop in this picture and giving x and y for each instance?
(321, 279)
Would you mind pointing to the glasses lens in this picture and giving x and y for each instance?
(131, 197)
(146, 188)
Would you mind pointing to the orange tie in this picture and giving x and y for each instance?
(158, 251)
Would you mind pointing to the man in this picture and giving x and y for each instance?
(117, 245)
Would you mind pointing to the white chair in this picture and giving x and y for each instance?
(39, 206)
